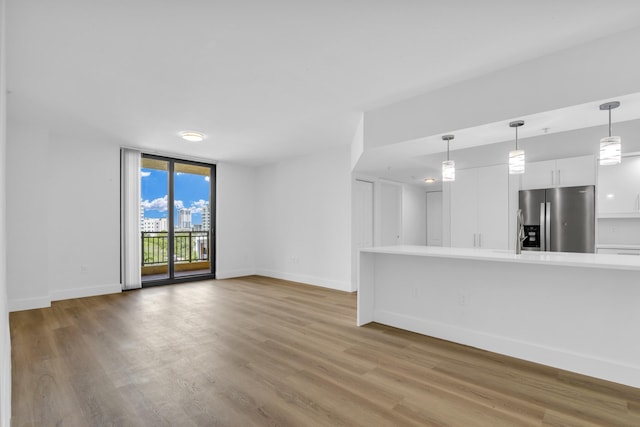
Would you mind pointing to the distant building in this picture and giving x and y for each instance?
(154, 225)
(206, 217)
(184, 219)
(141, 217)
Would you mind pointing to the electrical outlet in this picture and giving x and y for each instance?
(84, 269)
(462, 300)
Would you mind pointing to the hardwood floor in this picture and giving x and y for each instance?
(259, 351)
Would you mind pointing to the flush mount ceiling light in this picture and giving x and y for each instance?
(448, 166)
(192, 135)
(429, 180)
(516, 157)
(611, 146)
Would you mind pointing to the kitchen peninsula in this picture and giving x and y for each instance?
(578, 312)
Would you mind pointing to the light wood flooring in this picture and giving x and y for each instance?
(259, 351)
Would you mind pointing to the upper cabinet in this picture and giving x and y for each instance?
(619, 189)
(479, 208)
(568, 172)
(538, 175)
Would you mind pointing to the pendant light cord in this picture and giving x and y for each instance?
(609, 121)
(447, 150)
(516, 138)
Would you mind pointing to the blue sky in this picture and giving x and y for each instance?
(191, 191)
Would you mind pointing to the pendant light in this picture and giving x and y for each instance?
(611, 146)
(516, 157)
(448, 166)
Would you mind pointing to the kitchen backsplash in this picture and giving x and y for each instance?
(622, 231)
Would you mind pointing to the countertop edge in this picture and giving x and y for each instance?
(565, 259)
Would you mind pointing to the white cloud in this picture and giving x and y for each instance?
(196, 207)
(207, 178)
(144, 174)
(159, 204)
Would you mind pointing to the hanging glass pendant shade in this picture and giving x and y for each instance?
(610, 150)
(516, 161)
(611, 146)
(448, 170)
(516, 157)
(448, 166)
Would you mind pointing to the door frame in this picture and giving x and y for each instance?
(171, 222)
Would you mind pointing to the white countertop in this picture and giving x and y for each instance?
(617, 262)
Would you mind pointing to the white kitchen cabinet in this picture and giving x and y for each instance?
(538, 175)
(569, 172)
(479, 208)
(619, 189)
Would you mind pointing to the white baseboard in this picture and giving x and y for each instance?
(29, 303)
(234, 273)
(610, 370)
(86, 292)
(306, 279)
(44, 302)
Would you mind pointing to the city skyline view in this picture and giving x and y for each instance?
(191, 192)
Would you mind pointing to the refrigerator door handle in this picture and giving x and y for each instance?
(543, 233)
(547, 226)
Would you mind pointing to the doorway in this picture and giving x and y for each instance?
(390, 214)
(434, 218)
(177, 217)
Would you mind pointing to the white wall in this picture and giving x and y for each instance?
(235, 220)
(414, 215)
(27, 216)
(64, 216)
(82, 217)
(357, 144)
(5, 336)
(304, 223)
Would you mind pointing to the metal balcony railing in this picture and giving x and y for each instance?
(189, 246)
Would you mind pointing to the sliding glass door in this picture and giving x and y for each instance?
(177, 220)
(192, 223)
(154, 218)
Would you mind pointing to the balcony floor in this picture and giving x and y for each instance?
(153, 277)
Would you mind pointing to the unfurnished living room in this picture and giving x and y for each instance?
(319, 213)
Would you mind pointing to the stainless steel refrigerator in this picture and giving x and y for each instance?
(559, 219)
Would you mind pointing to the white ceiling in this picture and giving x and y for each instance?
(266, 80)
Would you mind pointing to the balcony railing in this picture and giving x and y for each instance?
(189, 247)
